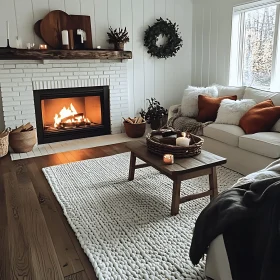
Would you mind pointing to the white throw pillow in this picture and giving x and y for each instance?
(276, 127)
(230, 111)
(230, 91)
(261, 95)
(189, 106)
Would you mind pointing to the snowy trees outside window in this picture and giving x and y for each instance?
(255, 53)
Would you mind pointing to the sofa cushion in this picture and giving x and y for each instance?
(262, 143)
(261, 95)
(227, 90)
(260, 118)
(189, 106)
(226, 133)
(230, 112)
(208, 107)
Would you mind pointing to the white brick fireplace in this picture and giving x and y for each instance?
(18, 79)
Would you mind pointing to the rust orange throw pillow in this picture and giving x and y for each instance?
(260, 118)
(208, 107)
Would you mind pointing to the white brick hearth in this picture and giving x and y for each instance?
(18, 79)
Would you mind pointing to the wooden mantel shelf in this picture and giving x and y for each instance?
(18, 54)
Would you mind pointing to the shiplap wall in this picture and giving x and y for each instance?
(212, 22)
(147, 77)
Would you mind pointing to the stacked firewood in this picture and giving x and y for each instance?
(136, 120)
(4, 133)
(23, 128)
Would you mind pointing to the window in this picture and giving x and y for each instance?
(254, 49)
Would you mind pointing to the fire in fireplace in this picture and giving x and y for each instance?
(64, 114)
(69, 117)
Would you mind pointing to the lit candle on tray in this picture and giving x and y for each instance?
(168, 159)
(183, 141)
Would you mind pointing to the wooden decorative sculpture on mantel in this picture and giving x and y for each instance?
(50, 28)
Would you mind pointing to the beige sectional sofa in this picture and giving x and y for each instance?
(245, 153)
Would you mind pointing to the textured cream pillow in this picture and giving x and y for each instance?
(230, 91)
(189, 106)
(230, 111)
(261, 95)
(276, 127)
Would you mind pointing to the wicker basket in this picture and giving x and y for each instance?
(134, 130)
(4, 143)
(169, 147)
(23, 142)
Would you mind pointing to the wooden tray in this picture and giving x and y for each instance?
(51, 27)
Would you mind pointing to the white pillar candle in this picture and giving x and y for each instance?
(8, 29)
(65, 37)
(183, 141)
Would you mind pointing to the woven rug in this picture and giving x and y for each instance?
(125, 228)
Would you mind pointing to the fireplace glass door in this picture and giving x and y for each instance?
(65, 114)
(68, 113)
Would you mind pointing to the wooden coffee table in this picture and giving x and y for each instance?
(183, 169)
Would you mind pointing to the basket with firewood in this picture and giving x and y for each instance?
(4, 142)
(23, 138)
(134, 127)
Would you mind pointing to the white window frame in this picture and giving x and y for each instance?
(238, 40)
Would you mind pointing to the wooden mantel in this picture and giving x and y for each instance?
(18, 54)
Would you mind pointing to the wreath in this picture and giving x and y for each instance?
(170, 31)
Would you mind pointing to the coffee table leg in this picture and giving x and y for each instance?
(132, 167)
(213, 183)
(176, 197)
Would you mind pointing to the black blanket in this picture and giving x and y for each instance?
(249, 219)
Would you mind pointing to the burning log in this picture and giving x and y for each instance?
(73, 124)
(80, 115)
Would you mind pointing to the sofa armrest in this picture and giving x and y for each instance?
(173, 110)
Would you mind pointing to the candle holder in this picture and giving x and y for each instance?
(8, 38)
(8, 46)
(168, 159)
(43, 47)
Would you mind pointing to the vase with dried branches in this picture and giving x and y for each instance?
(118, 37)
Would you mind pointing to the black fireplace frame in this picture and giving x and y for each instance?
(73, 133)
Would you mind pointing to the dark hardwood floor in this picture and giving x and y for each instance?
(36, 241)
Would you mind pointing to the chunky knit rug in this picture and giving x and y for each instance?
(125, 228)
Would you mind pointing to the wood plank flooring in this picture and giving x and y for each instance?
(36, 241)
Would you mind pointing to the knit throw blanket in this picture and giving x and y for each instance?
(179, 122)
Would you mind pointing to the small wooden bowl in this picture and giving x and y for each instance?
(134, 130)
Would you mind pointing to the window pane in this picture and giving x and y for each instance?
(258, 47)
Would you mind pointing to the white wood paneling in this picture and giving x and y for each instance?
(149, 62)
(160, 11)
(114, 13)
(147, 76)
(25, 21)
(8, 14)
(55, 4)
(127, 21)
(101, 22)
(170, 65)
(138, 53)
(211, 40)
(73, 7)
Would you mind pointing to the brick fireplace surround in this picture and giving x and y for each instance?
(18, 79)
